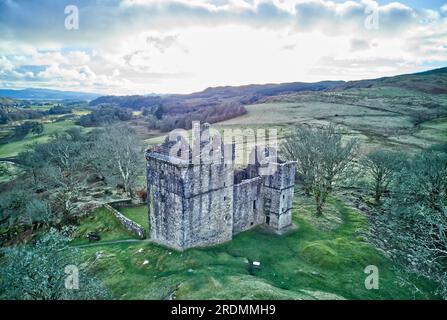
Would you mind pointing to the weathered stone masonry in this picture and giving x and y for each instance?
(193, 205)
(128, 224)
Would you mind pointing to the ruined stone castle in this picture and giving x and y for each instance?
(200, 204)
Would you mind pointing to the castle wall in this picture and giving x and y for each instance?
(248, 204)
(278, 196)
(278, 206)
(189, 205)
(207, 177)
(208, 204)
(165, 202)
(208, 218)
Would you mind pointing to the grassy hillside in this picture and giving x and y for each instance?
(323, 259)
(52, 124)
(12, 149)
(431, 81)
(385, 116)
(46, 94)
(385, 111)
(11, 146)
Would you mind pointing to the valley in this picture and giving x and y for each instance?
(324, 258)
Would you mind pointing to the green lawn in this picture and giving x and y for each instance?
(51, 126)
(102, 222)
(324, 258)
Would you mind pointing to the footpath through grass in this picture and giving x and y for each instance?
(324, 258)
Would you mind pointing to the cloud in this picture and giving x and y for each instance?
(359, 44)
(162, 42)
(362, 67)
(43, 21)
(5, 64)
(78, 57)
(138, 46)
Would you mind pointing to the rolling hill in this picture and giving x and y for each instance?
(46, 94)
(432, 81)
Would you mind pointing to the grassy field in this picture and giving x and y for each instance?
(434, 130)
(12, 149)
(291, 113)
(378, 117)
(324, 258)
(51, 126)
(41, 107)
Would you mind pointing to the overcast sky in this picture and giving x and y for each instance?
(180, 46)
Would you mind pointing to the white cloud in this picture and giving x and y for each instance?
(48, 57)
(182, 46)
(5, 64)
(78, 58)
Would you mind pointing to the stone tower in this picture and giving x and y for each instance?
(190, 205)
(193, 204)
(278, 197)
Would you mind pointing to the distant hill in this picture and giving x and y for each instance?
(7, 101)
(177, 103)
(46, 94)
(431, 81)
(131, 102)
(268, 89)
(439, 71)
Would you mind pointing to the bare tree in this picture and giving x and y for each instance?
(413, 220)
(322, 158)
(121, 153)
(380, 166)
(62, 170)
(296, 148)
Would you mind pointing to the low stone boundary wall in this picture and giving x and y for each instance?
(130, 225)
(121, 203)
